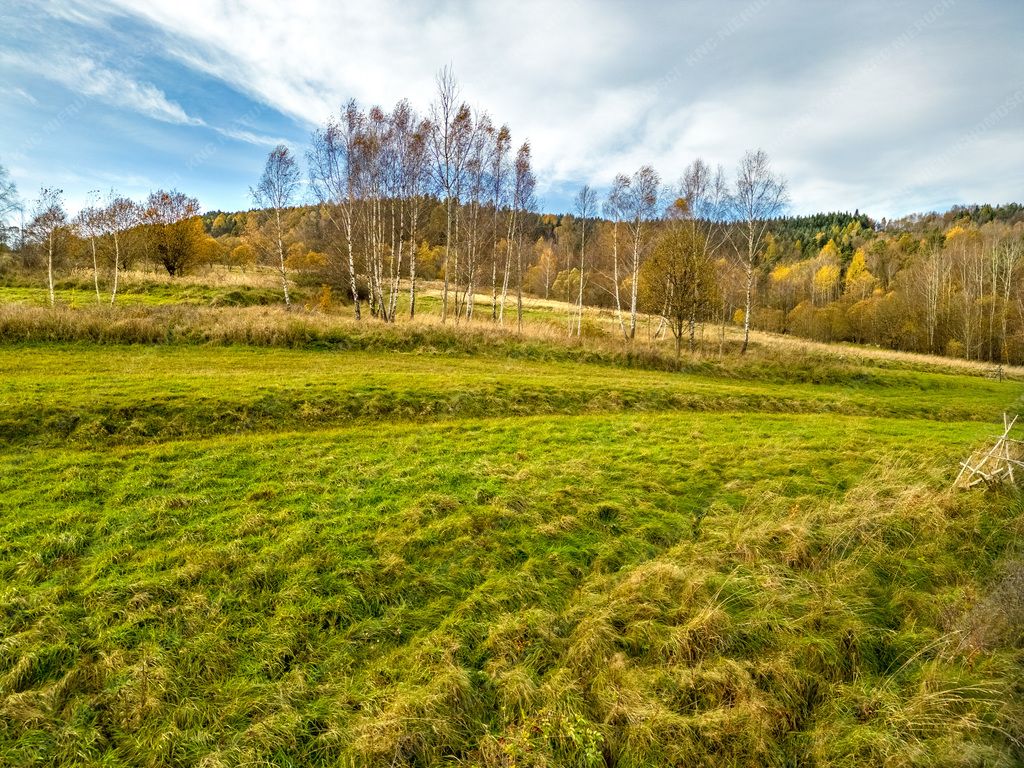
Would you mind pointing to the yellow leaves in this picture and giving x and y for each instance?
(858, 269)
(859, 281)
(954, 232)
(242, 256)
(826, 279)
(781, 273)
(959, 234)
(829, 250)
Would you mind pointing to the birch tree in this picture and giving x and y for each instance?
(638, 203)
(477, 158)
(49, 221)
(450, 123)
(935, 271)
(613, 209)
(90, 225)
(585, 205)
(498, 178)
(121, 215)
(8, 195)
(414, 175)
(523, 202)
(760, 195)
(333, 177)
(275, 193)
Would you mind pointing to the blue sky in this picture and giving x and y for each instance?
(890, 107)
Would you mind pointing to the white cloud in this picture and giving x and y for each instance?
(20, 93)
(847, 109)
(240, 134)
(85, 76)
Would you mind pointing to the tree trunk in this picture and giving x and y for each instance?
(49, 269)
(412, 263)
(117, 265)
(615, 277)
(519, 287)
(352, 268)
(579, 301)
(447, 251)
(494, 273)
(508, 267)
(280, 252)
(96, 271)
(746, 307)
(633, 288)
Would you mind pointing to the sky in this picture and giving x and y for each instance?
(889, 107)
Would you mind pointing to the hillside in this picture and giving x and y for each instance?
(272, 538)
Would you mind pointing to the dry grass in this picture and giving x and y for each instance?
(876, 354)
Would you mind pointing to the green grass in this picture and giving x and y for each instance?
(82, 294)
(88, 392)
(407, 547)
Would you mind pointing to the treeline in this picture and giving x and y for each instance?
(109, 235)
(941, 286)
(394, 198)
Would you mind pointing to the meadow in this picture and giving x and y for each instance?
(238, 536)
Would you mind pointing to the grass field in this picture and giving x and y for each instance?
(400, 547)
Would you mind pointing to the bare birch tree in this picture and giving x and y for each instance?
(450, 122)
(8, 195)
(49, 220)
(90, 225)
(760, 195)
(639, 206)
(523, 202)
(613, 209)
(121, 215)
(585, 205)
(498, 177)
(333, 177)
(275, 193)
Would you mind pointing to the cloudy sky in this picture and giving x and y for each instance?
(889, 106)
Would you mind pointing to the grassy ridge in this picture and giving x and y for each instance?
(89, 393)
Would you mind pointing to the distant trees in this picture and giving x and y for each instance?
(940, 288)
(275, 192)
